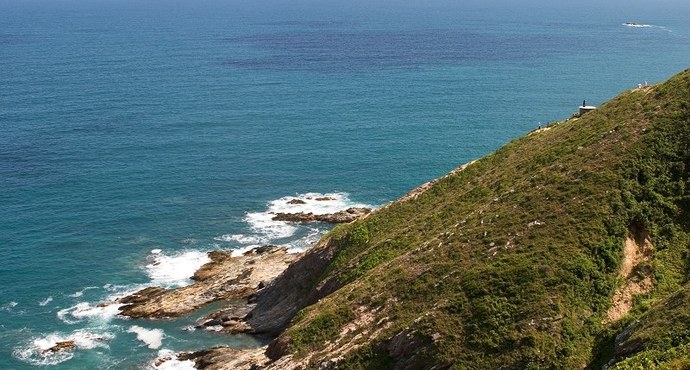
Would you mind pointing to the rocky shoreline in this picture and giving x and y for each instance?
(225, 277)
(268, 286)
(265, 287)
(340, 217)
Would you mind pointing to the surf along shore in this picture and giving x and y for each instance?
(261, 290)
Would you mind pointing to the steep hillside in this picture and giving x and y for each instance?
(536, 256)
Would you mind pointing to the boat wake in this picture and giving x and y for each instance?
(643, 25)
(638, 25)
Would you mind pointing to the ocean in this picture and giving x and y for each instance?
(137, 136)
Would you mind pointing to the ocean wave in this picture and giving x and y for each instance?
(167, 360)
(80, 293)
(174, 270)
(242, 250)
(116, 288)
(8, 306)
(45, 301)
(264, 230)
(267, 230)
(215, 328)
(153, 338)
(239, 238)
(37, 350)
(101, 313)
(316, 203)
(164, 270)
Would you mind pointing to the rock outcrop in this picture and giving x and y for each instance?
(225, 277)
(279, 301)
(340, 217)
(61, 346)
(226, 358)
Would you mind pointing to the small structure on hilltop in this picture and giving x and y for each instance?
(584, 108)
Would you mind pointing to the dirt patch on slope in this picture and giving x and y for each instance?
(638, 248)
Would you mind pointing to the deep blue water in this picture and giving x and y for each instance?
(129, 127)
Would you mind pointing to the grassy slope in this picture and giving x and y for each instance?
(468, 278)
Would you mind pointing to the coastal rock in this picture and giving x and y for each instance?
(230, 319)
(226, 358)
(282, 298)
(294, 217)
(345, 216)
(61, 346)
(143, 295)
(210, 269)
(225, 277)
(296, 201)
(261, 250)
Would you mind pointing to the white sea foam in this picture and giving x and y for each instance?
(267, 231)
(240, 251)
(8, 306)
(37, 350)
(167, 360)
(214, 328)
(85, 311)
(164, 270)
(152, 337)
(45, 301)
(239, 238)
(174, 270)
(118, 289)
(316, 203)
(189, 328)
(300, 245)
(81, 292)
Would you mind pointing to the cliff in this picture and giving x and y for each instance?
(567, 248)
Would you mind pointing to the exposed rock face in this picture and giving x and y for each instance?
(644, 332)
(225, 277)
(226, 358)
(296, 201)
(340, 217)
(143, 295)
(280, 300)
(623, 346)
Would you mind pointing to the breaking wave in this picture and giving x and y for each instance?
(37, 351)
(297, 237)
(174, 270)
(153, 338)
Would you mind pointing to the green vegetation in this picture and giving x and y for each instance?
(512, 263)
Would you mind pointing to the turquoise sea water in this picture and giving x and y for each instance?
(134, 137)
